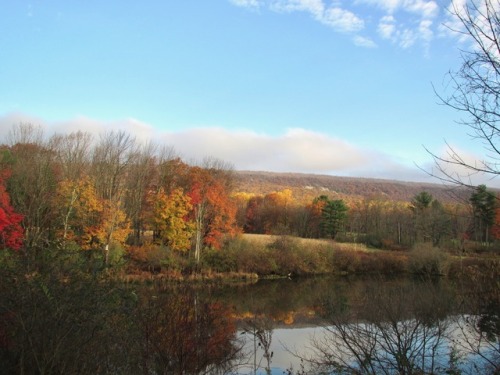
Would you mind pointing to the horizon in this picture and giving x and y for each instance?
(292, 86)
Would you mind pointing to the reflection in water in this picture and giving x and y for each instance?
(181, 333)
(271, 327)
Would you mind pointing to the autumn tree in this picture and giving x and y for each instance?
(169, 218)
(241, 200)
(495, 228)
(276, 212)
(420, 207)
(253, 215)
(79, 211)
(213, 210)
(431, 221)
(11, 232)
(315, 215)
(33, 182)
(111, 160)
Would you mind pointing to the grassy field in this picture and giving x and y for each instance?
(266, 239)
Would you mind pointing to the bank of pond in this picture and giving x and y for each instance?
(69, 318)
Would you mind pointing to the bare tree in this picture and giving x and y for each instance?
(139, 179)
(111, 161)
(72, 153)
(33, 181)
(475, 91)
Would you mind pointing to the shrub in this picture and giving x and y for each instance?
(219, 260)
(373, 241)
(427, 260)
(299, 257)
(345, 261)
(155, 258)
(250, 256)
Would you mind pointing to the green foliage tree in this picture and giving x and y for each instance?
(483, 208)
(333, 217)
(431, 222)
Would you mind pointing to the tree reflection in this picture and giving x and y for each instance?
(389, 328)
(260, 330)
(62, 320)
(183, 334)
(477, 330)
(406, 328)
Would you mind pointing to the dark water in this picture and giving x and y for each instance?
(310, 325)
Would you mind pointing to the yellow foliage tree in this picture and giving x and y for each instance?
(169, 218)
(87, 219)
(80, 210)
(114, 227)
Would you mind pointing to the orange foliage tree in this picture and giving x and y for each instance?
(214, 212)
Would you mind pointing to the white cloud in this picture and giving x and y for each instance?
(407, 38)
(387, 27)
(460, 172)
(427, 9)
(404, 22)
(297, 150)
(315, 7)
(423, 8)
(339, 19)
(404, 36)
(364, 42)
(246, 3)
(425, 30)
(142, 131)
(342, 20)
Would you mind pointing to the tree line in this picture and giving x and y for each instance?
(111, 191)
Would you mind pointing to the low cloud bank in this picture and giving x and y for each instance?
(297, 150)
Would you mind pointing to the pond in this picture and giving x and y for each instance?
(288, 326)
(337, 325)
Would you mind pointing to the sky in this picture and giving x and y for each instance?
(315, 86)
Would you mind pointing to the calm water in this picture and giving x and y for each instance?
(310, 325)
(319, 324)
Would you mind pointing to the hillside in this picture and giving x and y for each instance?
(306, 187)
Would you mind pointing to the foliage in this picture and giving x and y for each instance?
(431, 221)
(59, 317)
(80, 211)
(11, 232)
(250, 257)
(483, 206)
(169, 218)
(427, 260)
(333, 216)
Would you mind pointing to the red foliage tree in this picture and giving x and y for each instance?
(11, 232)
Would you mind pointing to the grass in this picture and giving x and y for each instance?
(268, 239)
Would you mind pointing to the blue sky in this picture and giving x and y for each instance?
(315, 86)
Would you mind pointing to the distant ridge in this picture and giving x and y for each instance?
(306, 187)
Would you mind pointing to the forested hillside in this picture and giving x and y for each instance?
(306, 187)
